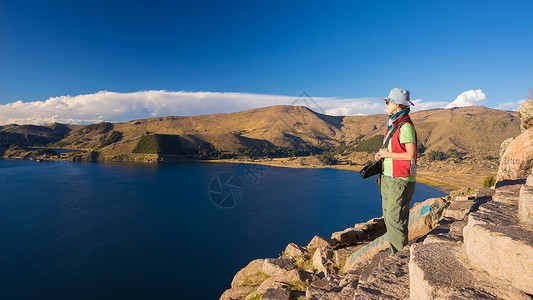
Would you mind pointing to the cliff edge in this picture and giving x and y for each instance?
(468, 245)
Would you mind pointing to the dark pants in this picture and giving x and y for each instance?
(396, 194)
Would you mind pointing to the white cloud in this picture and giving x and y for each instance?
(513, 105)
(120, 107)
(468, 98)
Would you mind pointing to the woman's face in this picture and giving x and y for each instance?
(391, 107)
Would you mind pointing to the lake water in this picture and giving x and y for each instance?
(93, 230)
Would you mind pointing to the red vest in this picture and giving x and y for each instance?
(401, 168)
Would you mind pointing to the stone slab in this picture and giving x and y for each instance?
(436, 272)
(389, 280)
(525, 204)
(495, 243)
(458, 209)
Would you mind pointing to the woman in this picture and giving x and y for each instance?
(399, 169)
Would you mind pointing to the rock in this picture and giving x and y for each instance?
(389, 280)
(378, 223)
(525, 111)
(457, 210)
(436, 273)
(297, 275)
(508, 191)
(517, 160)
(249, 273)
(270, 283)
(318, 242)
(495, 243)
(276, 294)
(295, 251)
(525, 204)
(342, 254)
(323, 289)
(322, 261)
(464, 198)
(276, 266)
(504, 145)
(349, 235)
(422, 219)
(529, 180)
(237, 292)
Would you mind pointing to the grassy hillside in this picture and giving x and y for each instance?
(473, 130)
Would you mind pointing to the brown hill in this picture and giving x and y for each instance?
(475, 130)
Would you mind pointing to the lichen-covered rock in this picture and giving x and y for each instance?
(254, 268)
(295, 251)
(517, 161)
(504, 145)
(318, 242)
(348, 235)
(276, 294)
(322, 261)
(525, 111)
(237, 292)
(277, 266)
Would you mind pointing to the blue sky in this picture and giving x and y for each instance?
(58, 58)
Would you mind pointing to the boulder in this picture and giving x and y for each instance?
(525, 204)
(517, 160)
(504, 145)
(323, 289)
(422, 219)
(270, 283)
(497, 244)
(318, 242)
(322, 261)
(277, 266)
(276, 294)
(525, 111)
(295, 251)
(389, 280)
(349, 235)
(297, 275)
(237, 292)
(457, 210)
(436, 273)
(529, 180)
(249, 273)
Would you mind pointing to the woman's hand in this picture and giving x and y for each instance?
(410, 153)
(382, 153)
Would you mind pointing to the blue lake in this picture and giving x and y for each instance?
(95, 230)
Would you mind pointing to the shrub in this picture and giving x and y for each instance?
(113, 137)
(437, 155)
(370, 145)
(159, 143)
(489, 182)
(328, 158)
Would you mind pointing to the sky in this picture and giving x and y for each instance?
(82, 62)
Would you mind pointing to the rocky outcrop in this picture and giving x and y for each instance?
(525, 112)
(517, 160)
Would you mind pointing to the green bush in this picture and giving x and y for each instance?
(489, 182)
(328, 158)
(370, 145)
(159, 143)
(437, 155)
(113, 137)
(46, 151)
(99, 128)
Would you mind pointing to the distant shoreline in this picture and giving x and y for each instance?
(445, 181)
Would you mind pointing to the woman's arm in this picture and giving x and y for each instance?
(410, 153)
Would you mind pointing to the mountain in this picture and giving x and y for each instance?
(474, 130)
